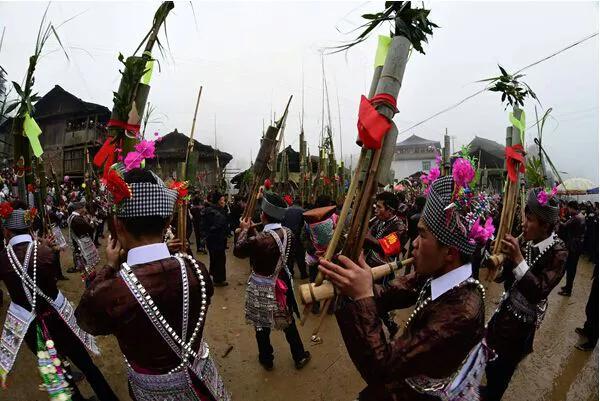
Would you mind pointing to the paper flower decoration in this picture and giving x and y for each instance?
(5, 210)
(543, 195)
(30, 215)
(117, 187)
(462, 172)
(182, 190)
(480, 234)
(143, 150)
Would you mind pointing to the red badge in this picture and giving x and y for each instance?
(390, 244)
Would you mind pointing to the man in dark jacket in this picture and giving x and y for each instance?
(216, 228)
(22, 275)
(196, 211)
(448, 322)
(294, 220)
(532, 268)
(572, 233)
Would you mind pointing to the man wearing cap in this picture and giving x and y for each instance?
(270, 302)
(81, 232)
(534, 267)
(446, 328)
(386, 228)
(28, 269)
(154, 303)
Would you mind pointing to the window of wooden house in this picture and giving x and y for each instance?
(76, 124)
(73, 160)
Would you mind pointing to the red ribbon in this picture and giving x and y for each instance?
(135, 128)
(106, 155)
(515, 161)
(372, 126)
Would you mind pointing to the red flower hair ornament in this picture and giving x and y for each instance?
(116, 185)
(5, 210)
(182, 190)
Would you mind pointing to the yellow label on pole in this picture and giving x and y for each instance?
(382, 50)
(33, 131)
(148, 74)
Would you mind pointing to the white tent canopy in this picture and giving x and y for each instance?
(575, 186)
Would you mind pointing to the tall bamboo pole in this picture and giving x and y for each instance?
(354, 181)
(183, 204)
(190, 146)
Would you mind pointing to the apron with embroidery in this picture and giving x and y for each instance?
(266, 305)
(18, 319)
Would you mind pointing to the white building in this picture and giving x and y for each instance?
(414, 154)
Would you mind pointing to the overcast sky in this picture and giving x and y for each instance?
(250, 56)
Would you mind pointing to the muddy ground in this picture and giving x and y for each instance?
(556, 371)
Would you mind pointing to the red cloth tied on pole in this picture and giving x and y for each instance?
(515, 161)
(134, 128)
(106, 155)
(372, 126)
(390, 244)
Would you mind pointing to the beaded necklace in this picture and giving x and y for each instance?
(178, 344)
(422, 300)
(29, 284)
(529, 248)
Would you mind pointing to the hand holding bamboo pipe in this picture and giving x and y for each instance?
(310, 293)
(493, 262)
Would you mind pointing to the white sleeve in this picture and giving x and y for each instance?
(520, 270)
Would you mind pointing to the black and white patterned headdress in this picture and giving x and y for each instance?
(543, 204)
(147, 199)
(16, 220)
(457, 216)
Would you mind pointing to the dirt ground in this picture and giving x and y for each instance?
(556, 371)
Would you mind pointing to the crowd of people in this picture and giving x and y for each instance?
(151, 283)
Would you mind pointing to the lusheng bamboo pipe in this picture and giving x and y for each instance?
(350, 195)
(310, 293)
(511, 193)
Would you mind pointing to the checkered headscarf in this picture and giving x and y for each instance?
(548, 212)
(148, 199)
(435, 216)
(16, 220)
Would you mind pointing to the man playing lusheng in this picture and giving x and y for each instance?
(447, 325)
(533, 269)
(154, 303)
(270, 302)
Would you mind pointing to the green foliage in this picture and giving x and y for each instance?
(534, 173)
(412, 23)
(134, 69)
(27, 99)
(513, 91)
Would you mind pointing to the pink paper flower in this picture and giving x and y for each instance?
(462, 172)
(542, 197)
(480, 234)
(146, 149)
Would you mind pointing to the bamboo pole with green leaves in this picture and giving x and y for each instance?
(411, 29)
(24, 129)
(513, 93)
(131, 97)
(263, 160)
